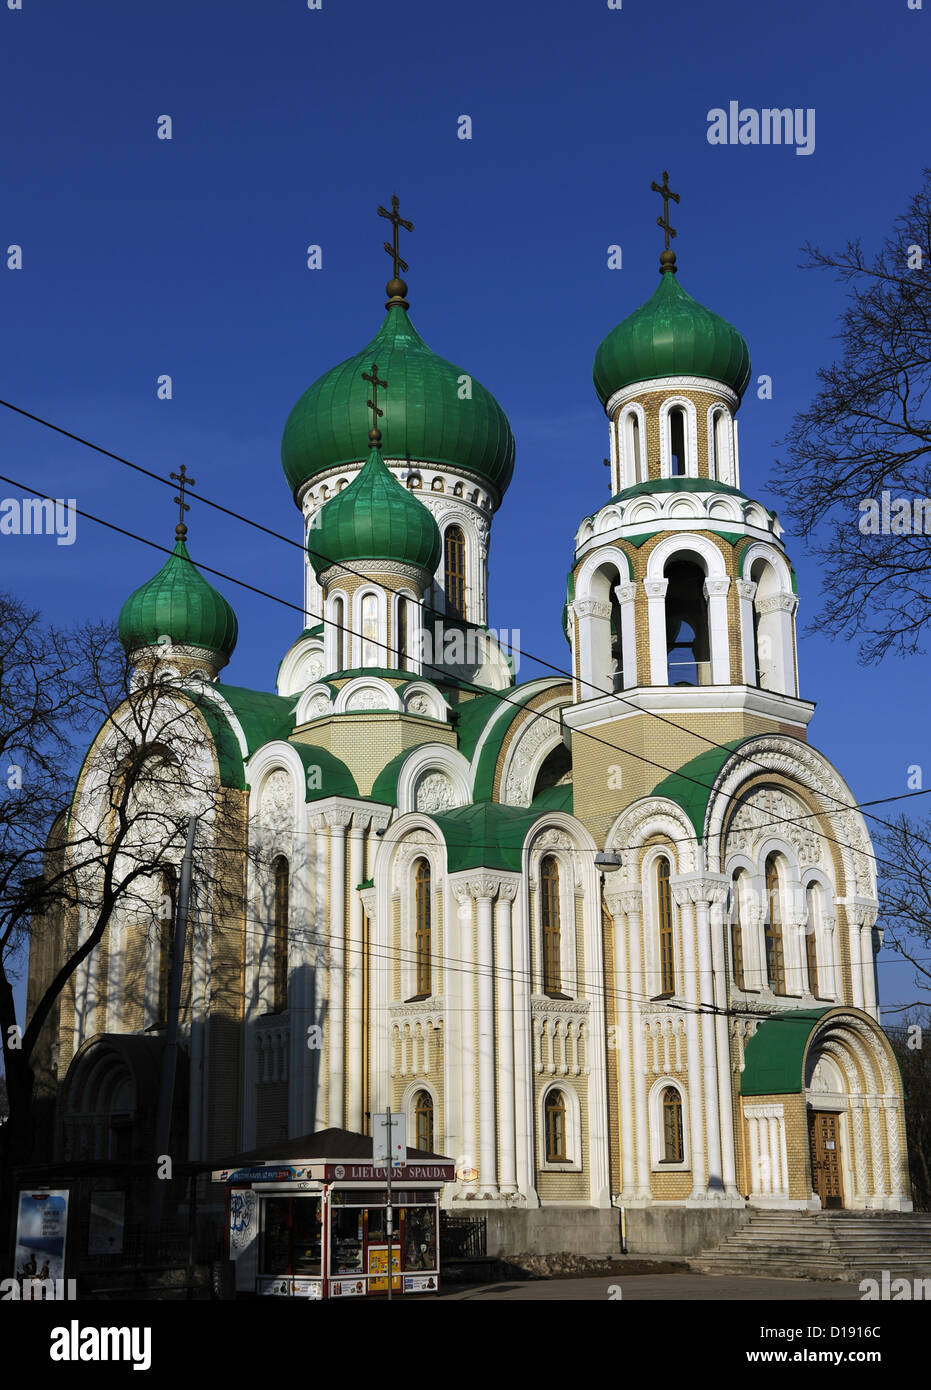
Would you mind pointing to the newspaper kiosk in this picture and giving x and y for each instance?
(308, 1218)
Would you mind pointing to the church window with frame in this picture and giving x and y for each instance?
(282, 876)
(673, 1147)
(166, 930)
(423, 1121)
(677, 463)
(667, 966)
(455, 571)
(775, 959)
(811, 942)
(339, 629)
(555, 1128)
(422, 908)
(370, 647)
(737, 945)
(402, 633)
(550, 924)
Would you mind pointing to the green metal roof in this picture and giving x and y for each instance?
(178, 603)
(374, 518)
(474, 715)
(385, 786)
(426, 419)
(487, 835)
(692, 785)
(332, 776)
(225, 742)
(774, 1057)
(671, 335)
(675, 485)
(488, 758)
(262, 717)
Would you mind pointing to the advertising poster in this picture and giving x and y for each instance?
(41, 1228)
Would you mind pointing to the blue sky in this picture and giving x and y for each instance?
(143, 256)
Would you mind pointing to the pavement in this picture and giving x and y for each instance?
(715, 1288)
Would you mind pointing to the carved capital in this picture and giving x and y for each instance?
(746, 588)
(777, 603)
(590, 608)
(716, 588)
(700, 888)
(656, 588)
(341, 816)
(626, 593)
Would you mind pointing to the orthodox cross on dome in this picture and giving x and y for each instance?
(183, 482)
(667, 260)
(396, 287)
(374, 432)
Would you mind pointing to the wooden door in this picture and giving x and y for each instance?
(824, 1134)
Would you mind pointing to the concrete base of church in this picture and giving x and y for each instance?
(680, 1230)
(553, 1230)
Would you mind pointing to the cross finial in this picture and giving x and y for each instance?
(374, 432)
(667, 260)
(396, 287)
(183, 482)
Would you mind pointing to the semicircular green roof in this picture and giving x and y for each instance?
(179, 604)
(434, 412)
(374, 518)
(774, 1057)
(671, 335)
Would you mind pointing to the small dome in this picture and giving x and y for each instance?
(374, 518)
(179, 604)
(671, 335)
(426, 418)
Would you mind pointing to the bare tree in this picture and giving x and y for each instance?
(866, 433)
(75, 853)
(904, 850)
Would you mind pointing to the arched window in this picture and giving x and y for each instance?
(422, 909)
(555, 1123)
(423, 1121)
(775, 963)
(688, 642)
(339, 630)
(719, 464)
(636, 470)
(455, 572)
(370, 648)
(673, 1150)
(549, 920)
(811, 939)
(677, 442)
(166, 931)
(737, 945)
(667, 960)
(280, 976)
(402, 633)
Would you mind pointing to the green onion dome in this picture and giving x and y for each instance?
(179, 604)
(374, 518)
(671, 335)
(433, 412)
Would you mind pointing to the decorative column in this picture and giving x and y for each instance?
(506, 1020)
(484, 890)
(682, 894)
(746, 589)
(355, 967)
(631, 902)
(318, 1108)
(715, 591)
(853, 950)
(615, 900)
(718, 900)
(467, 1076)
(626, 595)
(832, 976)
(855, 1113)
(868, 960)
(781, 669)
(337, 820)
(656, 623)
(594, 652)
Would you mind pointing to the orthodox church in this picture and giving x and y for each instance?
(606, 939)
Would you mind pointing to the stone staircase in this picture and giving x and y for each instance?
(844, 1245)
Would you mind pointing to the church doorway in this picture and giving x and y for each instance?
(824, 1145)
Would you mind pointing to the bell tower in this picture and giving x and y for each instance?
(681, 598)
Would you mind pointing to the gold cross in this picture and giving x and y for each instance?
(667, 194)
(373, 403)
(183, 482)
(396, 220)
